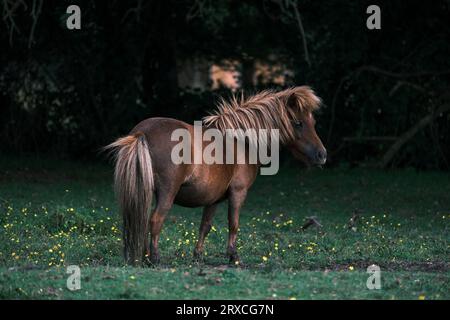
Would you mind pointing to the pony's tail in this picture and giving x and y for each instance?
(133, 182)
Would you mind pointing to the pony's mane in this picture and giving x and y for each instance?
(265, 110)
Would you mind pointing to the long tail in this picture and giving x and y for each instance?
(133, 181)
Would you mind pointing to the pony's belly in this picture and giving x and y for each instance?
(199, 195)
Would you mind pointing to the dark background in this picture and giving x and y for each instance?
(69, 92)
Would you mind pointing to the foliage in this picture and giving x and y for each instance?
(70, 92)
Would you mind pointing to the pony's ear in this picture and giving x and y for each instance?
(292, 102)
(301, 99)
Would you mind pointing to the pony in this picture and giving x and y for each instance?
(144, 170)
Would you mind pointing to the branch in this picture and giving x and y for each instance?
(137, 11)
(302, 32)
(197, 10)
(383, 72)
(35, 12)
(402, 75)
(311, 221)
(284, 7)
(369, 138)
(8, 14)
(402, 83)
(405, 137)
(9, 9)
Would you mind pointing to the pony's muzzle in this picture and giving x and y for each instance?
(317, 155)
(321, 156)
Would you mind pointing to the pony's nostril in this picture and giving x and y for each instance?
(322, 155)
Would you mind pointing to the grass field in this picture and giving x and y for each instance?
(54, 214)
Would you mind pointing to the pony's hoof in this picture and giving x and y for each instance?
(154, 259)
(197, 256)
(146, 262)
(235, 260)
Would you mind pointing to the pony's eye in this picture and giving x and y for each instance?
(298, 125)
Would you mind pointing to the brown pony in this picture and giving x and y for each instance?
(144, 167)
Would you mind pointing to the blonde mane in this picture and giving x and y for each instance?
(265, 110)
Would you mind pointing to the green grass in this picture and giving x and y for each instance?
(54, 214)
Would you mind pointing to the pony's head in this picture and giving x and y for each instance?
(290, 111)
(305, 144)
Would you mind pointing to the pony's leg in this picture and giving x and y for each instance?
(164, 204)
(205, 227)
(236, 199)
